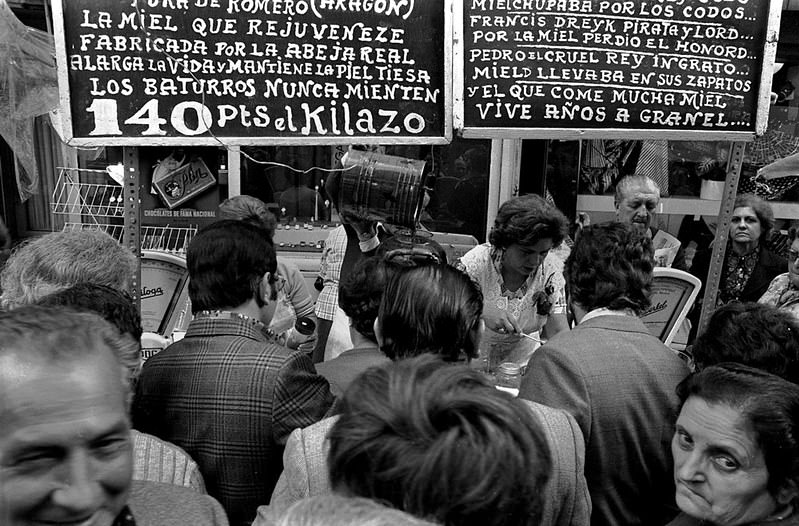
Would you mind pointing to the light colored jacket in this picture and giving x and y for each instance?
(566, 501)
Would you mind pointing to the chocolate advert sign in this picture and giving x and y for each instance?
(605, 68)
(169, 72)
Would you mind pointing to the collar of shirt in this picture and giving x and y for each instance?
(604, 311)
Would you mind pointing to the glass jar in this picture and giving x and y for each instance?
(509, 375)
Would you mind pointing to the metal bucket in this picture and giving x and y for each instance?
(382, 188)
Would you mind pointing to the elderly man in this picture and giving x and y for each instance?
(65, 445)
(60, 260)
(636, 201)
(227, 393)
(614, 377)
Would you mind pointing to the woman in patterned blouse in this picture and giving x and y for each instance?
(749, 266)
(521, 280)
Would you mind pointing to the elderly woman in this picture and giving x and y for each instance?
(783, 292)
(735, 449)
(749, 266)
(522, 282)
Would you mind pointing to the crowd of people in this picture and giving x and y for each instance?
(234, 424)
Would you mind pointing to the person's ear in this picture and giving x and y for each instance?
(378, 332)
(477, 332)
(266, 290)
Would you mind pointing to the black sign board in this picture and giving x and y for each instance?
(159, 72)
(632, 68)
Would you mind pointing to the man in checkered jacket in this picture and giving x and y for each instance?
(227, 393)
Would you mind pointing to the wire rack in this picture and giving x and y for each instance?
(164, 238)
(86, 192)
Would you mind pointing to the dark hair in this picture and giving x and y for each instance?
(753, 334)
(440, 442)
(610, 266)
(769, 405)
(359, 294)
(250, 209)
(526, 220)
(762, 210)
(114, 306)
(226, 261)
(60, 335)
(431, 308)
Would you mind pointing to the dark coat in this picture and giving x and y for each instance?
(769, 266)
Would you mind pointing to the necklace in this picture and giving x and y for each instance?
(228, 315)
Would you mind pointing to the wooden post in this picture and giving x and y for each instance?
(722, 234)
(131, 234)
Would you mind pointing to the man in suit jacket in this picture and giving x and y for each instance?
(226, 393)
(566, 500)
(615, 378)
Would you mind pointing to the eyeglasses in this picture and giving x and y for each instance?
(793, 255)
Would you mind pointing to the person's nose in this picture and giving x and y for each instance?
(79, 492)
(689, 467)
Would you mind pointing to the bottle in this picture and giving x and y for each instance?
(509, 377)
(303, 331)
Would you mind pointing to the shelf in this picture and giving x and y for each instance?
(680, 206)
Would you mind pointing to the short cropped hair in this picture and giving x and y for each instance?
(59, 335)
(526, 220)
(114, 306)
(250, 209)
(631, 181)
(226, 261)
(439, 441)
(59, 260)
(610, 266)
(762, 210)
(753, 334)
(335, 510)
(430, 309)
(770, 408)
(359, 294)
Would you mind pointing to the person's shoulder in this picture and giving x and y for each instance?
(287, 268)
(478, 254)
(158, 504)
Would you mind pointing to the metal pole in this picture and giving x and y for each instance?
(722, 234)
(131, 234)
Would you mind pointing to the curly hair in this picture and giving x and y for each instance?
(753, 334)
(525, 220)
(360, 293)
(250, 209)
(59, 260)
(430, 309)
(439, 441)
(610, 266)
(762, 210)
(768, 404)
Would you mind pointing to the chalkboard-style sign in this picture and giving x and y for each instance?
(160, 72)
(614, 68)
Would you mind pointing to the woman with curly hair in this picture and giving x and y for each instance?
(521, 281)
